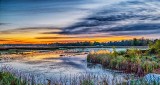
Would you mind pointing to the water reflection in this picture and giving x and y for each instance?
(62, 62)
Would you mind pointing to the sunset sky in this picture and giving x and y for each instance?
(49, 21)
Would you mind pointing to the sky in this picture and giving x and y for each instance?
(49, 21)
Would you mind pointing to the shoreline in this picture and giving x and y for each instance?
(65, 47)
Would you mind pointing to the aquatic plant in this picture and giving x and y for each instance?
(7, 78)
(15, 77)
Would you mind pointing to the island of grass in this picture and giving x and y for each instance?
(136, 61)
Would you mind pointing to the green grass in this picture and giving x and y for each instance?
(7, 78)
(87, 82)
(140, 81)
(130, 61)
(133, 60)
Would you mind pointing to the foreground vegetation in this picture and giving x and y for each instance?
(133, 60)
(7, 78)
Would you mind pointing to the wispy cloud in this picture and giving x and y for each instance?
(4, 23)
(59, 13)
(134, 16)
(29, 29)
(54, 37)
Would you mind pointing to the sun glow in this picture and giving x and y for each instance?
(29, 38)
(41, 36)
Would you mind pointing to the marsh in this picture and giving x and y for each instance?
(52, 64)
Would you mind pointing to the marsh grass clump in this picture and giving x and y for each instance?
(132, 60)
(73, 79)
(7, 78)
(87, 82)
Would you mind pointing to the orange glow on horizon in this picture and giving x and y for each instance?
(39, 37)
(66, 40)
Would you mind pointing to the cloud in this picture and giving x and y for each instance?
(53, 37)
(22, 13)
(3, 40)
(3, 23)
(75, 36)
(28, 29)
(133, 16)
(137, 33)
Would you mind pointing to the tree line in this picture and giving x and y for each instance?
(133, 42)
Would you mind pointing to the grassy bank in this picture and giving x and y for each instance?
(7, 78)
(133, 60)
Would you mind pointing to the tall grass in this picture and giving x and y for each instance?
(7, 78)
(24, 78)
(133, 60)
(20, 78)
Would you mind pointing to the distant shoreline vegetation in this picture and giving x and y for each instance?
(133, 42)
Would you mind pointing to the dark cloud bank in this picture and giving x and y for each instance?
(136, 17)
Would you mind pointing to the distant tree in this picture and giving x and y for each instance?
(133, 42)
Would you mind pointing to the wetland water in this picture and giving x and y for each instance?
(68, 63)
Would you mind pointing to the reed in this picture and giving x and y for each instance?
(7, 78)
(10, 76)
(132, 61)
